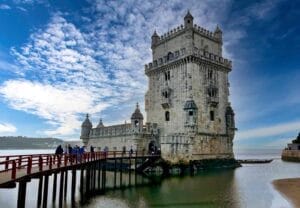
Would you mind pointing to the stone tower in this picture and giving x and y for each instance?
(137, 120)
(85, 129)
(188, 92)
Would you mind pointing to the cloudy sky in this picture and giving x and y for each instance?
(62, 59)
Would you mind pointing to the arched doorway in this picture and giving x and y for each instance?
(152, 147)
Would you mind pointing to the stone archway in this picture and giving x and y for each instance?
(152, 147)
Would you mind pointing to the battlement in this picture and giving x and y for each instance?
(114, 130)
(177, 55)
(181, 29)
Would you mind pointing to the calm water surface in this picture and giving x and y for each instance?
(249, 186)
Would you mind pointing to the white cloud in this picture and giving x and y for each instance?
(64, 79)
(7, 128)
(69, 68)
(4, 6)
(58, 105)
(22, 9)
(275, 130)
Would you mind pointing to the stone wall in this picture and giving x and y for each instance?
(115, 130)
(138, 142)
(291, 155)
(183, 148)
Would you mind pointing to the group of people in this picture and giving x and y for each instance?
(76, 150)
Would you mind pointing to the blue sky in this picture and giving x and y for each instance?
(62, 59)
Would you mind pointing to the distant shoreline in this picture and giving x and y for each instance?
(26, 148)
(290, 189)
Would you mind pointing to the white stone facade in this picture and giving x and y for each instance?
(189, 116)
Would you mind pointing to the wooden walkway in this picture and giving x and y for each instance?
(15, 168)
(22, 169)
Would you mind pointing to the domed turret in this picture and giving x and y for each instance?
(100, 125)
(188, 20)
(137, 120)
(137, 113)
(85, 129)
(155, 39)
(218, 33)
(87, 123)
(230, 124)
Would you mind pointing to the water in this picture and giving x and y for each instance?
(249, 186)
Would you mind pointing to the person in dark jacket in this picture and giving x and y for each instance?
(59, 150)
(92, 149)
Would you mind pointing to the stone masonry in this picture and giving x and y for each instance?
(189, 116)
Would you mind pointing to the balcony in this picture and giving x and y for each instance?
(165, 102)
(213, 101)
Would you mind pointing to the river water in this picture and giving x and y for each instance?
(248, 186)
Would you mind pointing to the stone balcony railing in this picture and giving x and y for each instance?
(213, 100)
(165, 102)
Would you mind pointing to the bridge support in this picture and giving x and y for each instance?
(73, 189)
(121, 172)
(61, 188)
(54, 187)
(45, 195)
(22, 194)
(40, 189)
(66, 185)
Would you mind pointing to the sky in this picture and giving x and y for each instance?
(62, 59)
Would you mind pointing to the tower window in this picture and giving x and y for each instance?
(212, 115)
(212, 91)
(167, 116)
(167, 75)
(165, 94)
(210, 74)
(191, 113)
(188, 21)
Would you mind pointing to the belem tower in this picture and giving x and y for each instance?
(189, 116)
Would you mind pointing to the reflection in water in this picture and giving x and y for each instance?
(249, 186)
(207, 189)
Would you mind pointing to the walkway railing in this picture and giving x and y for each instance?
(13, 163)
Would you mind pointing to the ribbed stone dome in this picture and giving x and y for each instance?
(229, 111)
(190, 104)
(100, 124)
(137, 113)
(87, 123)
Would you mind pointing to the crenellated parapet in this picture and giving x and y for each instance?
(114, 130)
(180, 54)
(181, 29)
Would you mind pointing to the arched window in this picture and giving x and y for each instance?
(167, 116)
(170, 56)
(167, 75)
(136, 122)
(212, 115)
(210, 74)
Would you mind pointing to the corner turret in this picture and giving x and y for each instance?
(218, 34)
(100, 125)
(155, 39)
(85, 129)
(137, 120)
(188, 20)
(230, 124)
(191, 112)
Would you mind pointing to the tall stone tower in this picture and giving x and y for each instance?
(188, 92)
